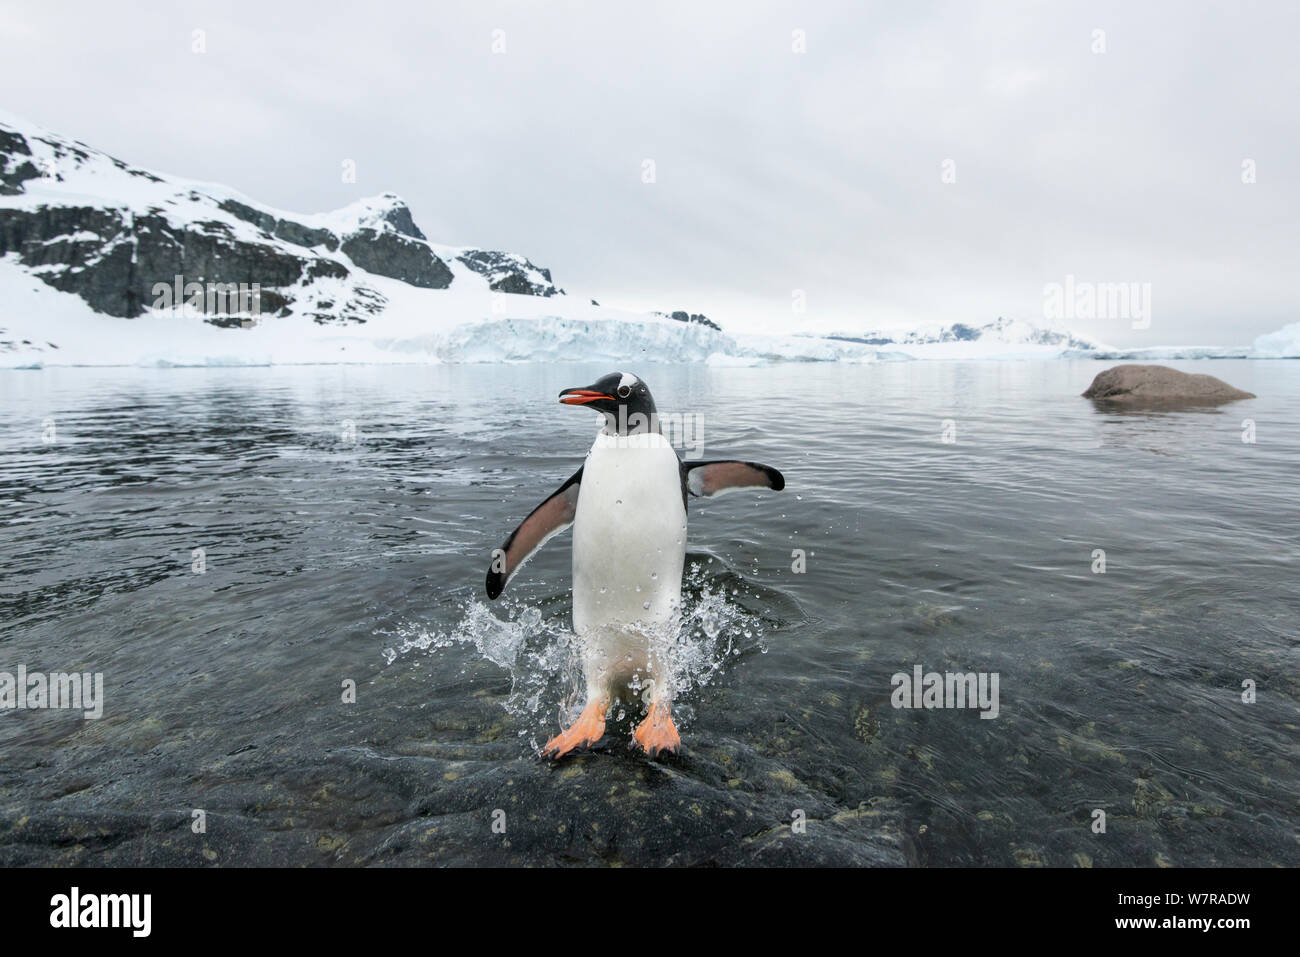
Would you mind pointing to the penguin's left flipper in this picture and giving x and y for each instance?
(543, 523)
(715, 477)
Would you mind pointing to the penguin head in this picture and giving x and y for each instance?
(622, 398)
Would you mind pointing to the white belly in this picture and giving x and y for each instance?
(629, 546)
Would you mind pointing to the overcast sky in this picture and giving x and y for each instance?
(775, 170)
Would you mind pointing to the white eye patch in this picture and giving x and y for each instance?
(627, 381)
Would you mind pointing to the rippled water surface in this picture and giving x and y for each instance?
(346, 517)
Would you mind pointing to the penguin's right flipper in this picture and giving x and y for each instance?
(543, 523)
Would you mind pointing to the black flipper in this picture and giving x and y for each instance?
(705, 479)
(543, 523)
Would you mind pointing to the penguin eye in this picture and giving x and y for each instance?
(624, 391)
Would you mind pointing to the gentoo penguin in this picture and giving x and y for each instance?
(627, 506)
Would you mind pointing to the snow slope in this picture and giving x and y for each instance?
(42, 326)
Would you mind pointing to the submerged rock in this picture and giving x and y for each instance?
(1143, 384)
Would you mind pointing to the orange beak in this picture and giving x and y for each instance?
(581, 396)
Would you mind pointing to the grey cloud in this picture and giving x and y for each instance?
(775, 170)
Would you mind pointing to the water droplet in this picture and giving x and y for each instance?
(645, 604)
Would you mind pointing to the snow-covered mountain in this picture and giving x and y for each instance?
(104, 263)
(1002, 338)
(86, 223)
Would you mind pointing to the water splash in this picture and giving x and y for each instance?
(544, 657)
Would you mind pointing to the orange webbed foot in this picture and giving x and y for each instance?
(657, 732)
(587, 730)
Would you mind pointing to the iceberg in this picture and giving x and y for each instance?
(1282, 344)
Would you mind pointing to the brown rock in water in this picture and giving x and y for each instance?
(1139, 384)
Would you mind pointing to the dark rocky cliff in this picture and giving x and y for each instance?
(88, 224)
